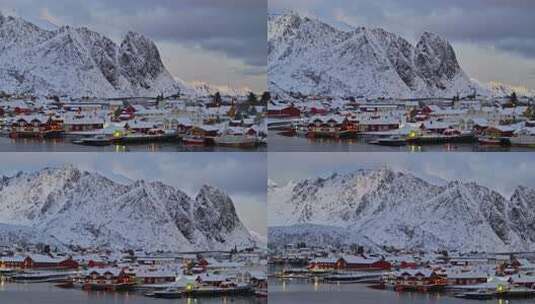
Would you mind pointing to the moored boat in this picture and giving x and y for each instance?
(109, 287)
(193, 140)
(97, 140)
(239, 141)
(40, 277)
(353, 278)
(168, 293)
(392, 141)
(488, 140)
(238, 289)
(523, 140)
(481, 294)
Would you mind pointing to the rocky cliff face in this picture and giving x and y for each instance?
(313, 58)
(398, 209)
(79, 62)
(87, 209)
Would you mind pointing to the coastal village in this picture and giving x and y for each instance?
(483, 121)
(215, 120)
(480, 276)
(235, 273)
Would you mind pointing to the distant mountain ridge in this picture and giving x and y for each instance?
(389, 208)
(87, 209)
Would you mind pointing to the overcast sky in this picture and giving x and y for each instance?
(500, 171)
(493, 39)
(241, 175)
(220, 42)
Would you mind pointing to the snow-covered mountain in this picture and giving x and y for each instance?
(310, 57)
(317, 235)
(399, 209)
(88, 209)
(498, 89)
(206, 89)
(79, 62)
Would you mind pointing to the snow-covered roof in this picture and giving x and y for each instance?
(415, 272)
(435, 125)
(326, 118)
(353, 259)
(15, 258)
(102, 271)
(210, 277)
(154, 273)
(82, 119)
(466, 275)
(41, 258)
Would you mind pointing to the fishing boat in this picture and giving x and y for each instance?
(392, 141)
(236, 140)
(151, 136)
(40, 277)
(193, 140)
(109, 287)
(488, 140)
(349, 278)
(97, 140)
(481, 294)
(523, 139)
(65, 284)
(434, 138)
(223, 289)
(168, 293)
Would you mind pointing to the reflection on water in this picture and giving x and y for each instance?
(12, 293)
(279, 143)
(65, 145)
(315, 292)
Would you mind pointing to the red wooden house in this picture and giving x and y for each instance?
(350, 263)
(35, 126)
(419, 280)
(37, 262)
(282, 111)
(332, 126)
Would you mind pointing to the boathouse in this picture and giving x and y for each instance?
(420, 279)
(107, 276)
(37, 261)
(466, 278)
(350, 263)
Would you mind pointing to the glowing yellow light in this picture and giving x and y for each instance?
(189, 287)
(117, 133)
(413, 134)
(500, 288)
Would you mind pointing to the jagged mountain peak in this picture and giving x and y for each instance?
(89, 209)
(77, 61)
(400, 209)
(312, 57)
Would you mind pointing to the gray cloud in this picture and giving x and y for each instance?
(507, 25)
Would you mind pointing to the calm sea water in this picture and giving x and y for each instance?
(12, 293)
(279, 143)
(300, 291)
(65, 145)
